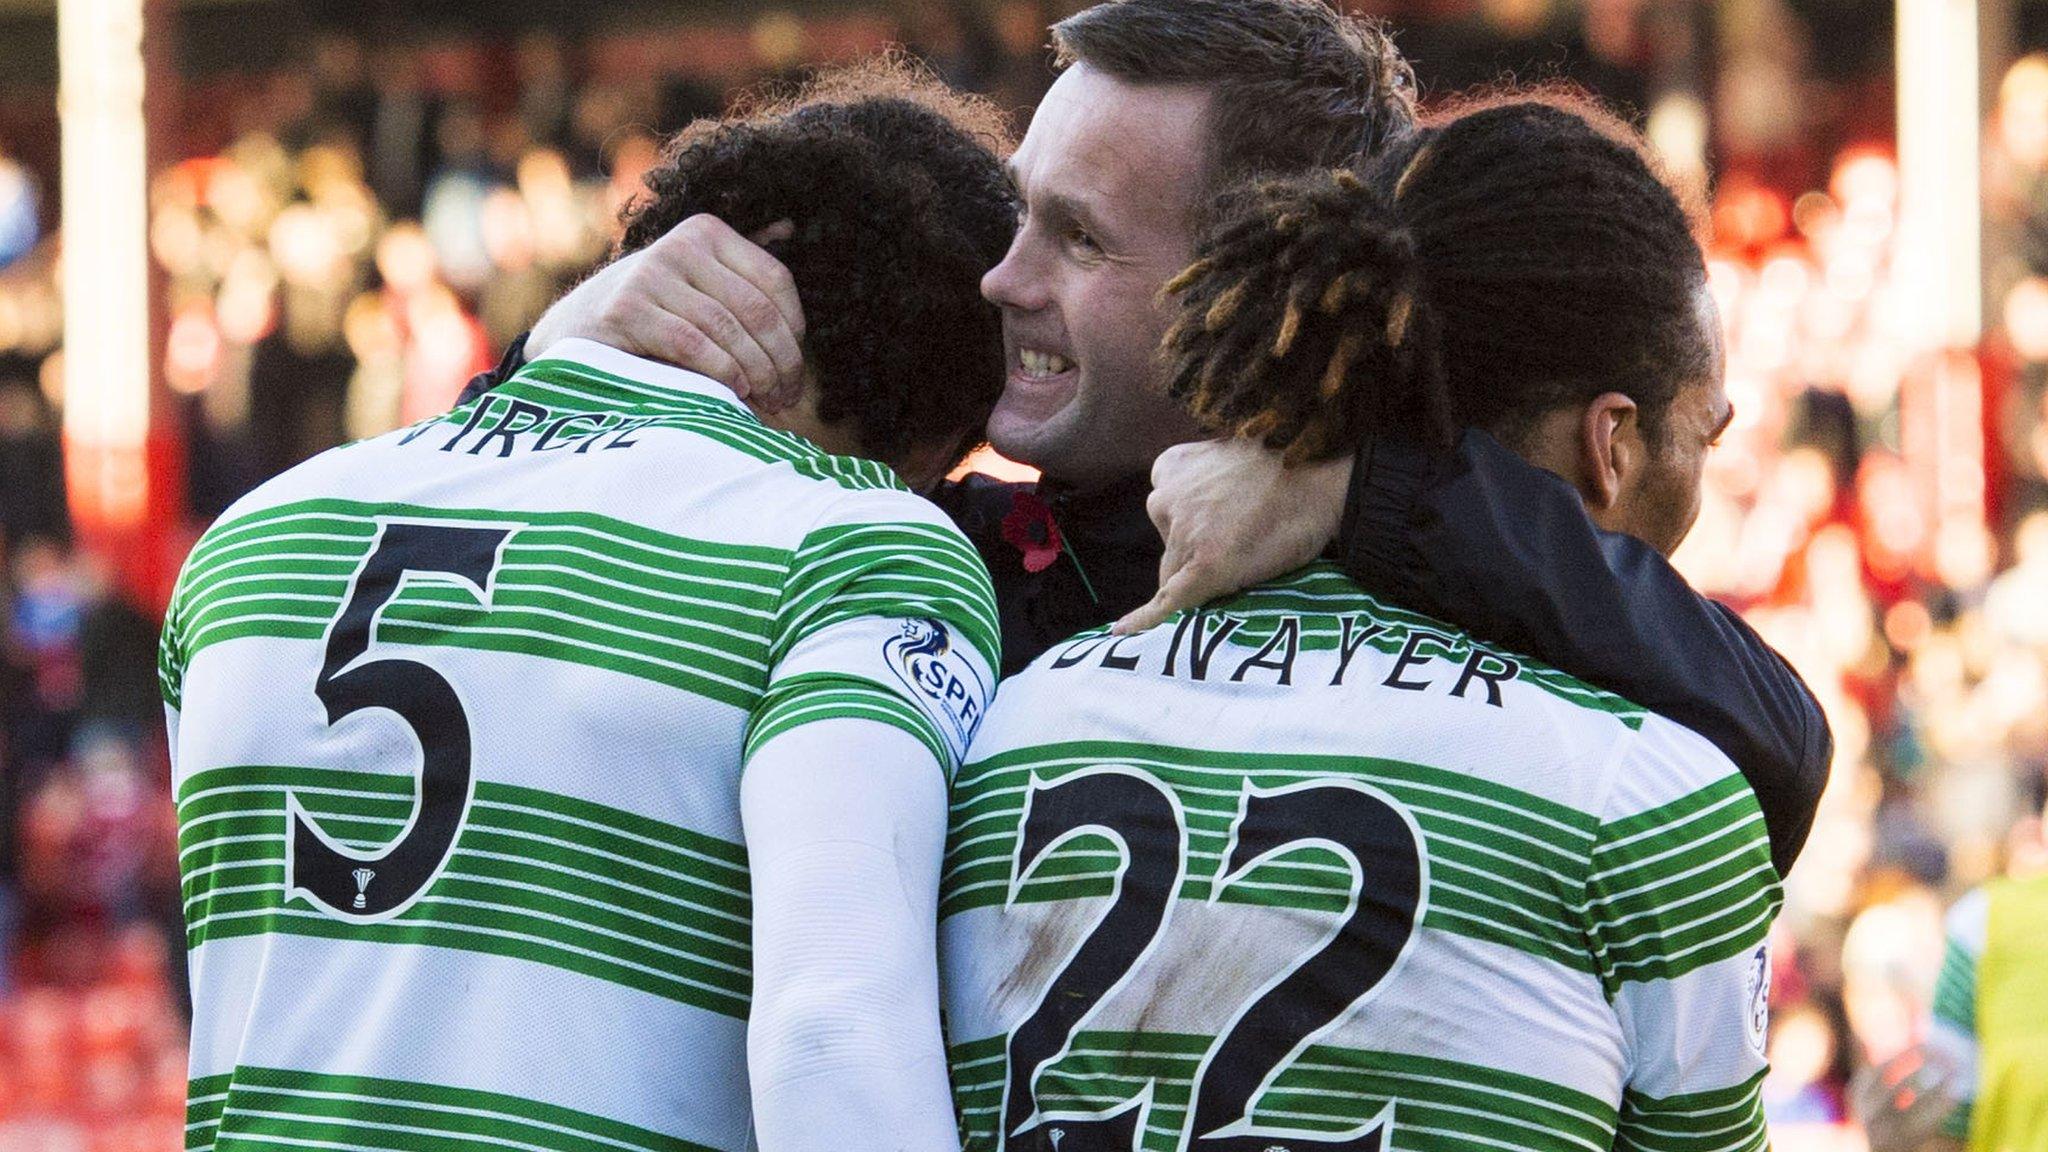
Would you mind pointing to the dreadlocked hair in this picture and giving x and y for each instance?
(1302, 303)
(1519, 257)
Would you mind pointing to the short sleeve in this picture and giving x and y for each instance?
(887, 615)
(171, 652)
(1680, 902)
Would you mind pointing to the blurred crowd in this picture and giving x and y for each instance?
(1880, 515)
(352, 239)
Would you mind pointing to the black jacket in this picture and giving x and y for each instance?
(1500, 547)
(1480, 539)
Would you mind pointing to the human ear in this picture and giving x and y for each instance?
(1610, 449)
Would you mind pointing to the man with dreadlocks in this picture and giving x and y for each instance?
(1306, 868)
(1158, 103)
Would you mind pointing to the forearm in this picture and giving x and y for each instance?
(845, 825)
(1495, 545)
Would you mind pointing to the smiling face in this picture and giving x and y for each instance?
(1109, 177)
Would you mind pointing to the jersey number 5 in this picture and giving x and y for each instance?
(1389, 879)
(376, 885)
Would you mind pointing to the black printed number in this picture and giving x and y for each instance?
(1142, 818)
(367, 886)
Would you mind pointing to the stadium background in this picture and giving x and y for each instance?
(352, 206)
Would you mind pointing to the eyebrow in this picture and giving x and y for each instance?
(1058, 204)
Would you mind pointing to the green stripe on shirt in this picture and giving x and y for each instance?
(273, 1107)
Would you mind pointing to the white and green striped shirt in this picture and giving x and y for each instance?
(1952, 1025)
(459, 716)
(1305, 870)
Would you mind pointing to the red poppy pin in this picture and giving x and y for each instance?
(1031, 529)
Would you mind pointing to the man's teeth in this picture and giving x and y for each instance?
(1042, 363)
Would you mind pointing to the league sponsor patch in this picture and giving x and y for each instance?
(1759, 998)
(921, 655)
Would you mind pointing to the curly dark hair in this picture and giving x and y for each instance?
(897, 193)
(1519, 256)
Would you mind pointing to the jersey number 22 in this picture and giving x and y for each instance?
(1388, 884)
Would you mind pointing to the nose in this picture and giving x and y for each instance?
(1019, 280)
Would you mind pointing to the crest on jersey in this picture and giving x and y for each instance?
(1759, 998)
(921, 655)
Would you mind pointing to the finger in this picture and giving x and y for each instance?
(1159, 506)
(771, 332)
(1168, 463)
(710, 316)
(1191, 587)
(680, 341)
(774, 233)
(754, 263)
(748, 281)
(1145, 617)
(774, 314)
(1172, 559)
(765, 345)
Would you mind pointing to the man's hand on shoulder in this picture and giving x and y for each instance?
(1232, 516)
(703, 297)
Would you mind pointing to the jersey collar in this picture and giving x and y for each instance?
(642, 371)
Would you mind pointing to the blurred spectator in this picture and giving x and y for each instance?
(19, 227)
(546, 91)
(380, 221)
(31, 458)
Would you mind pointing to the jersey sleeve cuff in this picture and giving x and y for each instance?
(811, 697)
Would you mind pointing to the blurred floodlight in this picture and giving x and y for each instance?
(1747, 214)
(1865, 176)
(406, 259)
(1816, 215)
(1940, 245)
(1677, 129)
(18, 232)
(192, 350)
(106, 260)
(306, 247)
(1786, 279)
(2026, 317)
(2023, 111)
(2026, 82)
(779, 41)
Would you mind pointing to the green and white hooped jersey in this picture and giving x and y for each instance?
(459, 716)
(1304, 871)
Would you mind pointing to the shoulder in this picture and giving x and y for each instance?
(1668, 767)
(892, 553)
(305, 485)
(877, 514)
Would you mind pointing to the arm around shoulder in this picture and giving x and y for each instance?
(1494, 544)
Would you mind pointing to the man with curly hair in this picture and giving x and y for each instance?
(1159, 103)
(570, 770)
